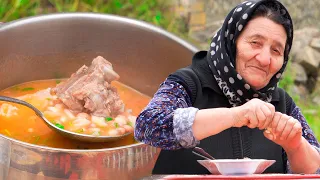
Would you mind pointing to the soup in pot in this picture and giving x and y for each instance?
(21, 123)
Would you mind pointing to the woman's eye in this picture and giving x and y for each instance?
(255, 43)
(276, 51)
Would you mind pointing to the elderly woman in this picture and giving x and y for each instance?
(228, 102)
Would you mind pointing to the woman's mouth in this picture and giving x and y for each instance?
(258, 69)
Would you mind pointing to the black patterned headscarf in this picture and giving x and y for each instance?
(222, 54)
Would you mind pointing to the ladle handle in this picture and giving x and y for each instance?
(18, 101)
(202, 153)
(204, 157)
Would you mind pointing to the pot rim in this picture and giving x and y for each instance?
(15, 141)
(127, 20)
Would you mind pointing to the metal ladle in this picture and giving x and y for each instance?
(202, 153)
(68, 134)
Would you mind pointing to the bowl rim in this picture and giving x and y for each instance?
(236, 160)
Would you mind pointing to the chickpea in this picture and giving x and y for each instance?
(128, 128)
(113, 132)
(121, 130)
(121, 120)
(83, 115)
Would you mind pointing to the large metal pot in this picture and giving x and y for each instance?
(53, 46)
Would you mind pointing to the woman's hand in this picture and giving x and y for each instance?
(254, 114)
(285, 131)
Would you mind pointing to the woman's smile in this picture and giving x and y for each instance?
(257, 70)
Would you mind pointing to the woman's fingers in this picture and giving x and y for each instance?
(296, 130)
(275, 120)
(253, 121)
(264, 113)
(268, 134)
(269, 113)
(281, 125)
(287, 129)
(260, 114)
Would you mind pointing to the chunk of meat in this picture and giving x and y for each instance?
(89, 90)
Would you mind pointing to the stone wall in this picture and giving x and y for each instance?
(305, 63)
(205, 16)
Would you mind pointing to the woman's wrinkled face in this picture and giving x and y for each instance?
(260, 51)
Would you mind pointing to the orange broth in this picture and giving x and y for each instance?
(27, 127)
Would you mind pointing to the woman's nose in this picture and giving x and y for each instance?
(264, 57)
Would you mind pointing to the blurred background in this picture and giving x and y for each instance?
(196, 21)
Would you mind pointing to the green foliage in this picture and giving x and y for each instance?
(14, 9)
(156, 12)
(146, 10)
(287, 81)
(153, 11)
(312, 115)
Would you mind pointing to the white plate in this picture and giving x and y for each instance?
(236, 166)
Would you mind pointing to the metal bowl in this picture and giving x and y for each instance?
(53, 46)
